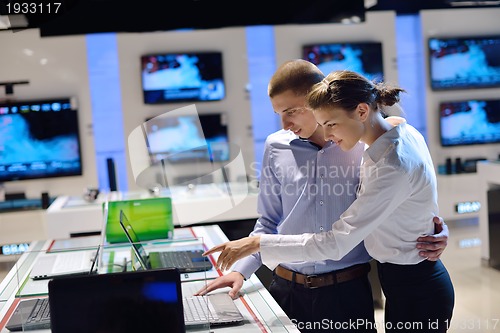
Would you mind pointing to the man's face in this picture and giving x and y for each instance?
(293, 114)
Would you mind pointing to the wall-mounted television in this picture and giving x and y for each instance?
(363, 57)
(177, 77)
(468, 62)
(469, 122)
(39, 139)
(190, 138)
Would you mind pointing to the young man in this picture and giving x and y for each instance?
(305, 184)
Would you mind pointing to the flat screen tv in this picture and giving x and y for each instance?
(177, 77)
(364, 58)
(460, 63)
(184, 139)
(39, 139)
(470, 122)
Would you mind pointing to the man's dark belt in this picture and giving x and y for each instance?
(323, 280)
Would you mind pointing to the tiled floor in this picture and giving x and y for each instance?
(477, 288)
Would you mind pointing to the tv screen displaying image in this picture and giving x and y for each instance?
(364, 58)
(469, 122)
(176, 77)
(184, 139)
(39, 139)
(459, 63)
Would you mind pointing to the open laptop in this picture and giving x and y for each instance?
(186, 261)
(73, 262)
(51, 265)
(137, 301)
(30, 314)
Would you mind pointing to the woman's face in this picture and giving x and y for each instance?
(340, 126)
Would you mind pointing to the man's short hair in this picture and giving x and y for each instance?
(296, 75)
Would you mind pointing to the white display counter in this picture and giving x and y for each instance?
(260, 311)
(73, 216)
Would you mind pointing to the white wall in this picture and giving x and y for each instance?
(231, 42)
(378, 27)
(456, 23)
(289, 39)
(64, 75)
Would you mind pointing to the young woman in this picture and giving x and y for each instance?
(395, 204)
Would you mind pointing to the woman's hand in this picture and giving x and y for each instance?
(234, 251)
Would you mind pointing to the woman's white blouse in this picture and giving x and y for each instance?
(396, 202)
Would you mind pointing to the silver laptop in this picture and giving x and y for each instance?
(217, 309)
(77, 262)
(52, 265)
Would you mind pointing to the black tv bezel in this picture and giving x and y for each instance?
(222, 115)
(461, 87)
(462, 144)
(363, 42)
(181, 100)
(72, 102)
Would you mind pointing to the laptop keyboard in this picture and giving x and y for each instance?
(179, 259)
(67, 262)
(198, 309)
(40, 312)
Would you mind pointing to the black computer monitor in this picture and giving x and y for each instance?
(364, 58)
(469, 122)
(182, 76)
(465, 62)
(39, 139)
(190, 138)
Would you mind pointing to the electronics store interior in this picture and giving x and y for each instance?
(136, 129)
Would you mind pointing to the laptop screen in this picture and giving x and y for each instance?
(152, 219)
(139, 250)
(139, 301)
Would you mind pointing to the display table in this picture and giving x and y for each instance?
(261, 312)
(70, 216)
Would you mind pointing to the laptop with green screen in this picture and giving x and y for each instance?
(152, 219)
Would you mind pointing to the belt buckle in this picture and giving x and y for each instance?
(308, 282)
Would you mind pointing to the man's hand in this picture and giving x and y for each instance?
(433, 246)
(234, 251)
(233, 280)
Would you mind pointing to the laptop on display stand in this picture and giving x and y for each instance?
(185, 261)
(77, 262)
